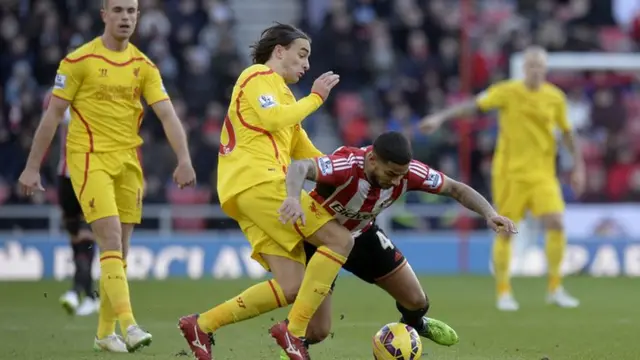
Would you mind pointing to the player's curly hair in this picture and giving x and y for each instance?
(278, 34)
(393, 147)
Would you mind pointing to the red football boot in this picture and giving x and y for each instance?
(293, 346)
(199, 342)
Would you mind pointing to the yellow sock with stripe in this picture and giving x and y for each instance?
(258, 299)
(316, 285)
(106, 318)
(555, 244)
(502, 264)
(116, 287)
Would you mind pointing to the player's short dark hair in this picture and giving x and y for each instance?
(393, 147)
(278, 34)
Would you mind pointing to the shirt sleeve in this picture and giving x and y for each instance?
(335, 169)
(562, 118)
(262, 95)
(423, 178)
(68, 79)
(492, 98)
(304, 148)
(153, 89)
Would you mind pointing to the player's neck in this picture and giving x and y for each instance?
(113, 44)
(276, 67)
(532, 86)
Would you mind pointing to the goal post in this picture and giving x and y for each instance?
(530, 230)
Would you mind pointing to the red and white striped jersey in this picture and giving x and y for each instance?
(343, 189)
(63, 170)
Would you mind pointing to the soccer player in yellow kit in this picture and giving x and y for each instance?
(261, 135)
(524, 166)
(102, 82)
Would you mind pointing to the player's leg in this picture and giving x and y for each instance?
(548, 205)
(258, 299)
(93, 185)
(128, 194)
(510, 199)
(376, 260)
(70, 300)
(83, 244)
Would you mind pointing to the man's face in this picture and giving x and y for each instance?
(120, 18)
(385, 174)
(535, 67)
(295, 60)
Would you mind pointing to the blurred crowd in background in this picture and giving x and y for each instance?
(398, 61)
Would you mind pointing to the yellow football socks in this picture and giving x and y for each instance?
(106, 318)
(555, 244)
(256, 300)
(319, 275)
(501, 264)
(116, 288)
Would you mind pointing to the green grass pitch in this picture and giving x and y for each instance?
(606, 326)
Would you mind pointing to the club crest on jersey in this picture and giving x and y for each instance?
(433, 180)
(325, 166)
(60, 82)
(266, 101)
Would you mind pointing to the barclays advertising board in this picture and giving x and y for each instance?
(227, 256)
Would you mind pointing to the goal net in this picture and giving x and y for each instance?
(593, 82)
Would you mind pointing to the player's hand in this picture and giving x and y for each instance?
(431, 123)
(184, 175)
(501, 224)
(324, 83)
(291, 210)
(29, 182)
(578, 180)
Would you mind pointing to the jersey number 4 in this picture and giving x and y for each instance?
(385, 242)
(226, 149)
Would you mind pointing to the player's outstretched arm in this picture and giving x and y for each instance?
(472, 200)
(274, 116)
(298, 172)
(184, 174)
(30, 178)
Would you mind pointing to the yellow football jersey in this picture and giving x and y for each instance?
(104, 89)
(527, 120)
(261, 133)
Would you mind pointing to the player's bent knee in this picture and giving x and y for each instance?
(290, 291)
(108, 233)
(334, 236)
(553, 222)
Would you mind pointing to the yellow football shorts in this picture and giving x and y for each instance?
(512, 198)
(259, 220)
(108, 184)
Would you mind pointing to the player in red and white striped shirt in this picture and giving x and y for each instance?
(355, 185)
(81, 299)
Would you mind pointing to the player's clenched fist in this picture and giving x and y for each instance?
(291, 210)
(184, 175)
(30, 182)
(324, 83)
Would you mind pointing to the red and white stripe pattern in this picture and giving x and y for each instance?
(343, 189)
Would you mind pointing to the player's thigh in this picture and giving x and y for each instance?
(374, 256)
(547, 199)
(129, 187)
(320, 324)
(510, 198)
(270, 253)
(260, 206)
(93, 185)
